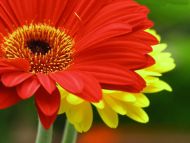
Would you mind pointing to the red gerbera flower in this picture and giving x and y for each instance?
(83, 46)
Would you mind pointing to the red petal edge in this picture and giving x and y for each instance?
(46, 121)
(46, 82)
(8, 97)
(47, 103)
(69, 80)
(11, 79)
(26, 89)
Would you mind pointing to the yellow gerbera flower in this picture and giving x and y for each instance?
(79, 112)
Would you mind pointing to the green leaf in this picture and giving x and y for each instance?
(176, 1)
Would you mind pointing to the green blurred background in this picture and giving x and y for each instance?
(169, 112)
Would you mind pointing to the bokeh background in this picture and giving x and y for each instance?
(169, 112)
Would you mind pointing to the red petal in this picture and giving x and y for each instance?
(46, 82)
(104, 33)
(130, 53)
(143, 37)
(28, 88)
(80, 84)
(6, 65)
(83, 10)
(112, 74)
(47, 103)
(8, 97)
(46, 121)
(70, 81)
(115, 11)
(21, 64)
(11, 79)
(126, 88)
(7, 69)
(150, 61)
(14, 65)
(92, 91)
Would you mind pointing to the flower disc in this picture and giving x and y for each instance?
(46, 48)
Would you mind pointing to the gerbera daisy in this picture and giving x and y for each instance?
(82, 46)
(79, 112)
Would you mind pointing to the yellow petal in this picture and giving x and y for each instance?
(164, 61)
(153, 32)
(123, 96)
(157, 86)
(109, 91)
(137, 114)
(86, 122)
(148, 72)
(62, 91)
(75, 113)
(63, 106)
(159, 48)
(116, 105)
(109, 116)
(100, 104)
(142, 100)
(163, 66)
(73, 99)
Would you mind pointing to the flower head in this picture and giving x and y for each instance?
(80, 46)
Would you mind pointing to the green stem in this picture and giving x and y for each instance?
(70, 134)
(44, 136)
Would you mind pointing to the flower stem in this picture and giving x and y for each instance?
(70, 134)
(44, 136)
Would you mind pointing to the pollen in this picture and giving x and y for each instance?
(48, 49)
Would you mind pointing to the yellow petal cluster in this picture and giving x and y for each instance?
(79, 112)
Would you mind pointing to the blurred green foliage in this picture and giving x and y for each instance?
(172, 22)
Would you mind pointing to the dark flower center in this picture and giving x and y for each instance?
(38, 46)
(47, 49)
